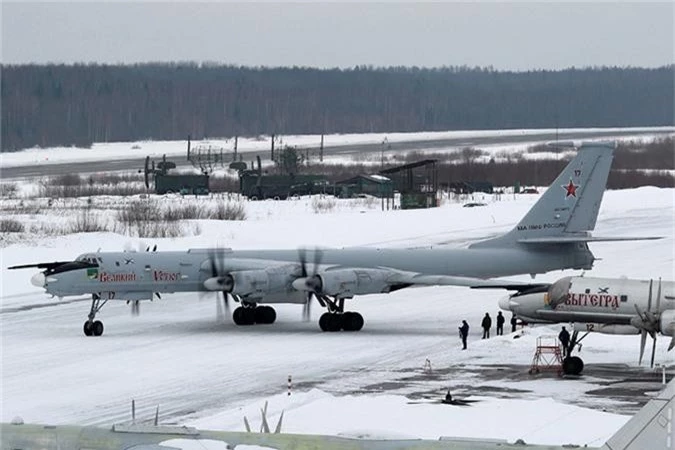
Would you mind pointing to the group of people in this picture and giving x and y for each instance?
(487, 325)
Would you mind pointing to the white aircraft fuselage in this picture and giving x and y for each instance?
(136, 275)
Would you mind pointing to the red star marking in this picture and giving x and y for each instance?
(571, 189)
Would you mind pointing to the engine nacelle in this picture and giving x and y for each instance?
(250, 283)
(667, 322)
(254, 283)
(524, 304)
(605, 328)
(346, 283)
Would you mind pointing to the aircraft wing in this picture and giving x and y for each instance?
(417, 279)
(521, 288)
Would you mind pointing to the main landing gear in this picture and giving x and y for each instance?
(252, 314)
(573, 365)
(94, 327)
(348, 321)
(336, 319)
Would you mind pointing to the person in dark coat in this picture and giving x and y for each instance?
(564, 338)
(514, 322)
(500, 324)
(486, 324)
(464, 333)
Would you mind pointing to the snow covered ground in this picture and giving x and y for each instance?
(209, 373)
(116, 150)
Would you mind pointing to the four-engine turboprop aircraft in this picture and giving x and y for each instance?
(602, 305)
(552, 235)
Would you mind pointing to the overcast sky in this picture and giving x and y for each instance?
(504, 35)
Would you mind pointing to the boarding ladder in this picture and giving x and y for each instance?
(547, 356)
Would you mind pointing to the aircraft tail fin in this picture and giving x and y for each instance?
(651, 427)
(569, 207)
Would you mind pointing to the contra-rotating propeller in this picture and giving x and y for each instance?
(223, 282)
(648, 321)
(310, 283)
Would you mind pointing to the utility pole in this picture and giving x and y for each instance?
(272, 149)
(382, 193)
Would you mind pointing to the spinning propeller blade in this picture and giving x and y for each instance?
(217, 265)
(643, 341)
(302, 256)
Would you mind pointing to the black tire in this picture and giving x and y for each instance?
(243, 316)
(271, 315)
(335, 322)
(573, 365)
(87, 328)
(352, 321)
(323, 321)
(265, 314)
(97, 328)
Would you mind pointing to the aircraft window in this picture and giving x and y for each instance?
(117, 263)
(588, 291)
(624, 298)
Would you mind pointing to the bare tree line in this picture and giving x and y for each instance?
(51, 105)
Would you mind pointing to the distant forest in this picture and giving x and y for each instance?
(50, 105)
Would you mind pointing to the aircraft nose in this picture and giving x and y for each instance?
(38, 280)
(506, 304)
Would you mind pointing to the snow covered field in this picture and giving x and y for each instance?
(209, 373)
(112, 151)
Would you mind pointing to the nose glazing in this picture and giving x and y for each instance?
(38, 280)
(505, 303)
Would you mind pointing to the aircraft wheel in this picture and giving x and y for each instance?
(271, 315)
(330, 322)
(87, 328)
(323, 321)
(352, 321)
(335, 322)
(265, 314)
(573, 365)
(244, 316)
(97, 328)
(236, 316)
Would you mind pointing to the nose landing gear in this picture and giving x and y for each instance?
(94, 327)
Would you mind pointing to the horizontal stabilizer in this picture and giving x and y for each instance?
(584, 238)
